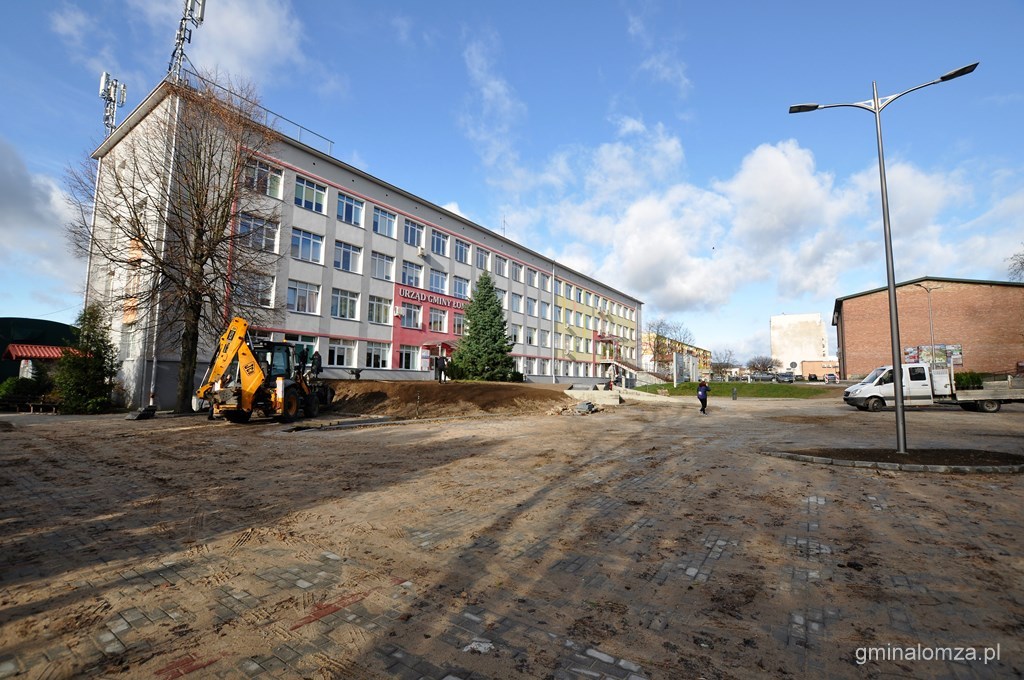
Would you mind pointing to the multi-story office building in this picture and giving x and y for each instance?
(377, 279)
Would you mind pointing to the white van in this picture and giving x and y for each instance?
(924, 386)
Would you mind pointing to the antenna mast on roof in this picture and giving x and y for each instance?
(192, 14)
(113, 93)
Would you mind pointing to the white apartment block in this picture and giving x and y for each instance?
(796, 338)
(376, 279)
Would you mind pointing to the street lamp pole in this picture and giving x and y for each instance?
(931, 325)
(875, 106)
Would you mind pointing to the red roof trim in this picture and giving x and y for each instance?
(17, 351)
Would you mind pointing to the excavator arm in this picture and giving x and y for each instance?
(234, 344)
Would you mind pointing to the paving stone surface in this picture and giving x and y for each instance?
(636, 543)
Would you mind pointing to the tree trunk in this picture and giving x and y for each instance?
(191, 313)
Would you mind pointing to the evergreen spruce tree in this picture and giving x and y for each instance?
(483, 352)
(84, 376)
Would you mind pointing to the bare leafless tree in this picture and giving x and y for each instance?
(661, 337)
(177, 212)
(722, 360)
(763, 363)
(1017, 266)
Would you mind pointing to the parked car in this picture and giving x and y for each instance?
(831, 378)
(812, 377)
(786, 377)
(762, 377)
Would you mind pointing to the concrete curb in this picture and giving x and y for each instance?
(898, 467)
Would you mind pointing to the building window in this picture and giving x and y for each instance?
(542, 367)
(579, 295)
(346, 257)
(382, 266)
(483, 258)
(255, 290)
(438, 243)
(568, 291)
(531, 277)
(350, 210)
(377, 354)
(542, 337)
(307, 246)
(531, 336)
(383, 222)
(460, 287)
(517, 333)
(412, 273)
(379, 310)
(411, 315)
(309, 194)
(344, 304)
(414, 234)
(545, 309)
(264, 179)
(438, 281)
(516, 303)
(341, 353)
(459, 324)
(438, 320)
(501, 297)
(579, 319)
(303, 297)
(545, 282)
(257, 234)
(517, 272)
(558, 287)
(531, 306)
(558, 313)
(461, 251)
(409, 357)
(500, 266)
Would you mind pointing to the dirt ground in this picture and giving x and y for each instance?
(493, 532)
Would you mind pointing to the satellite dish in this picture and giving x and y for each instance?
(792, 364)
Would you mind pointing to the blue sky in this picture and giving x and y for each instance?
(645, 143)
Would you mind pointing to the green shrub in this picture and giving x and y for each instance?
(968, 380)
(27, 388)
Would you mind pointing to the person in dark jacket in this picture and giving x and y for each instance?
(702, 396)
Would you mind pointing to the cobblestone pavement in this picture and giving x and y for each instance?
(639, 542)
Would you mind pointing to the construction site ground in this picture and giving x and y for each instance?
(475, 531)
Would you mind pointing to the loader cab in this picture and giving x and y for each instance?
(275, 359)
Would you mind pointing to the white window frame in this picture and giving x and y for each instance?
(384, 222)
(382, 266)
(301, 240)
(350, 210)
(307, 293)
(347, 300)
(313, 194)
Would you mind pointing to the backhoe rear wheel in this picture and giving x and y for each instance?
(290, 406)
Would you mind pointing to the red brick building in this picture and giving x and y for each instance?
(975, 325)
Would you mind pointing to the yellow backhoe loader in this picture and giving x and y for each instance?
(247, 378)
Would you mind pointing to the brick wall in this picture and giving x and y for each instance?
(987, 319)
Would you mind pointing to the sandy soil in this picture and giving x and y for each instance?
(518, 539)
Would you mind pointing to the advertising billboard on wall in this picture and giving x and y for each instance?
(948, 355)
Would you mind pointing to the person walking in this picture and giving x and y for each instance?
(702, 396)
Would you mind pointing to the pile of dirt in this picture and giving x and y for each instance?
(427, 399)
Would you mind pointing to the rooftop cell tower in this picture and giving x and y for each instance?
(113, 94)
(192, 14)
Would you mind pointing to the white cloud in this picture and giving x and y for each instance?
(256, 40)
(665, 67)
(34, 217)
(493, 109)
